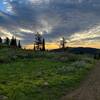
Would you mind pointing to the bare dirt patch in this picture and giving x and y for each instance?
(89, 89)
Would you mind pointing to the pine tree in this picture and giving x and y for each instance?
(7, 41)
(43, 45)
(13, 42)
(19, 44)
(0, 40)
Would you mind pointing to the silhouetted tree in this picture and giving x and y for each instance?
(43, 45)
(7, 41)
(0, 40)
(13, 42)
(38, 41)
(19, 44)
(62, 43)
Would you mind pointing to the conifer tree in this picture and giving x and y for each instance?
(43, 45)
(19, 44)
(13, 42)
(0, 40)
(7, 41)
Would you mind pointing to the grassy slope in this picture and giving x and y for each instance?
(25, 75)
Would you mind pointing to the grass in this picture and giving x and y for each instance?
(28, 75)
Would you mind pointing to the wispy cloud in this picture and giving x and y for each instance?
(76, 20)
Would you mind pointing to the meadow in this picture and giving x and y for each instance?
(29, 75)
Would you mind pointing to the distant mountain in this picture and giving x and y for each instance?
(79, 50)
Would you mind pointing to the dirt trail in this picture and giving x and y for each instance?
(90, 88)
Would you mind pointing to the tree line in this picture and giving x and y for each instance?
(39, 42)
(10, 42)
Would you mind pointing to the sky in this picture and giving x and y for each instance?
(76, 20)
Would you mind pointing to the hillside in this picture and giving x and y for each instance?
(79, 50)
(25, 74)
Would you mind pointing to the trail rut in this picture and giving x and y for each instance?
(89, 89)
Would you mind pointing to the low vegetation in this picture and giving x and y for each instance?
(28, 75)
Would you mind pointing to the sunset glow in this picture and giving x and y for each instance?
(78, 21)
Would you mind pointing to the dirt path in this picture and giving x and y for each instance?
(90, 88)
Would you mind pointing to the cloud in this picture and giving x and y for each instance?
(54, 18)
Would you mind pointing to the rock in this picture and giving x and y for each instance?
(2, 97)
(46, 83)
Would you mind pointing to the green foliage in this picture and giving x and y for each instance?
(28, 75)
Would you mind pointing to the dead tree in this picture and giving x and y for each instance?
(63, 43)
(38, 42)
